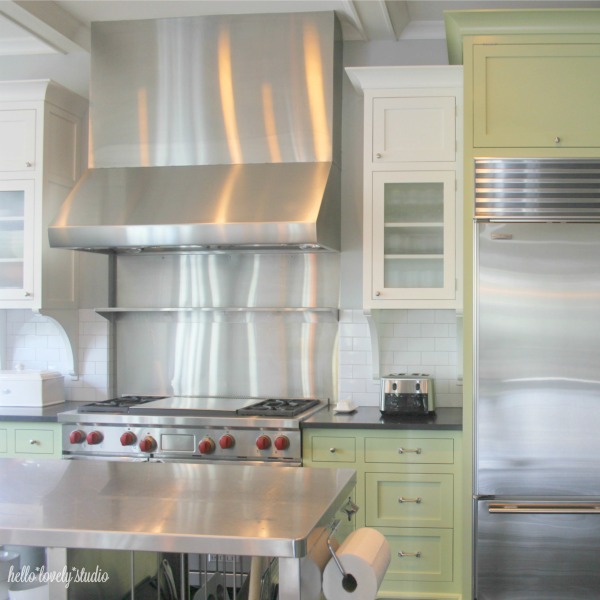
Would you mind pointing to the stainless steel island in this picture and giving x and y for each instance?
(172, 507)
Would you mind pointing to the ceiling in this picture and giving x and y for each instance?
(43, 27)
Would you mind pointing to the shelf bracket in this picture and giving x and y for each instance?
(371, 317)
(66, 321)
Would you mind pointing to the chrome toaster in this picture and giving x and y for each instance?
(407, 394)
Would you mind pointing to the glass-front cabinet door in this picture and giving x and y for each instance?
(16, 239)
(414, 215)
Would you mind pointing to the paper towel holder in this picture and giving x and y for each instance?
(349, 583)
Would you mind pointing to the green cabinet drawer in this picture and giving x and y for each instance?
(3, 441)
(407, 450)
(415, 500)
(333, 449)
(420, 554)
(34, 441)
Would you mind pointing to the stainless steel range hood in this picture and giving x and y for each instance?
(211, 133)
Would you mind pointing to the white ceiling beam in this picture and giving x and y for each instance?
(48, 22)
(349, 15)
(375, 18)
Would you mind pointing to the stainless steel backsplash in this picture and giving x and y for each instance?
(226, 324)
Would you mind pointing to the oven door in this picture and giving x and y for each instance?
(537, 550)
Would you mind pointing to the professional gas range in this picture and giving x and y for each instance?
(263, 431)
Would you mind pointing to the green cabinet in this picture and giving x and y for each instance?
(30, 440)
(409, 489)
(536, 95)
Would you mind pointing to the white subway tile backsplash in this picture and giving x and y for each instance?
(410, 341)
(34, 342)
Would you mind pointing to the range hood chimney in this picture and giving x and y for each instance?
(211, 133)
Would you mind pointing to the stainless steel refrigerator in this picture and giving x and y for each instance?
(537, 380)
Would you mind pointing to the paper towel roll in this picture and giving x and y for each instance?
(312, 567)
(365, 555)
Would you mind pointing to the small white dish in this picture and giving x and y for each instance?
(345, 406)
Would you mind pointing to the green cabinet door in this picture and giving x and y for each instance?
(536, 95)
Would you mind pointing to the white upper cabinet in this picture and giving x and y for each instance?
(42, 155)
(17, 140)
(412, 217)
(414, 129)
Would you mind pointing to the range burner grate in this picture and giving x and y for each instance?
(117, 405)
(278, 407)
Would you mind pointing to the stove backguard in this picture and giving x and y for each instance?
(229, 324)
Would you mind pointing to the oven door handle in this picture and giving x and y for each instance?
(545, 508)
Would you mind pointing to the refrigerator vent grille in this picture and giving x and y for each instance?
(537, 189)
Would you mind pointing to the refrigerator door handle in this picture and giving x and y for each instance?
(546, 508)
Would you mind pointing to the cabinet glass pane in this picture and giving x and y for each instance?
(413, 234)
(12, 203)
(12, 210)
(413, 240)
(413, 273)
(414, 202)
(11, 275)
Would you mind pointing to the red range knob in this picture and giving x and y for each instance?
(128, 439)
(148, 444)
(94, 437)
(282, 442)
(77, 437)
(206, 446)
(263, 442)
(227, 441)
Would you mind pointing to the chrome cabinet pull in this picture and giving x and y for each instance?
(34, 443)
(332, 450)
(401, 500)
(408, 450)
(403, 554)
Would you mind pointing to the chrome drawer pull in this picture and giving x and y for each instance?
(332, 450)
(407, 450)
(416, 500)
(403, 554)
(34, 442)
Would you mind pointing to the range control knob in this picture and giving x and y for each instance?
(77, 437)
(206, 446)
(148, 444)
(227, 441)
(282, 442)
(263, 442)
(128, 438)
(94, 437)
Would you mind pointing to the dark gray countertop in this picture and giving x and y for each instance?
(46, 414)
(364, 417)
(369, 417)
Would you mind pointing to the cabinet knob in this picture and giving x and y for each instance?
(378, 155)
(557, 140)
(29, 164)
(27, 294)
(378, 293)
(34, 442)
(332, 450)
